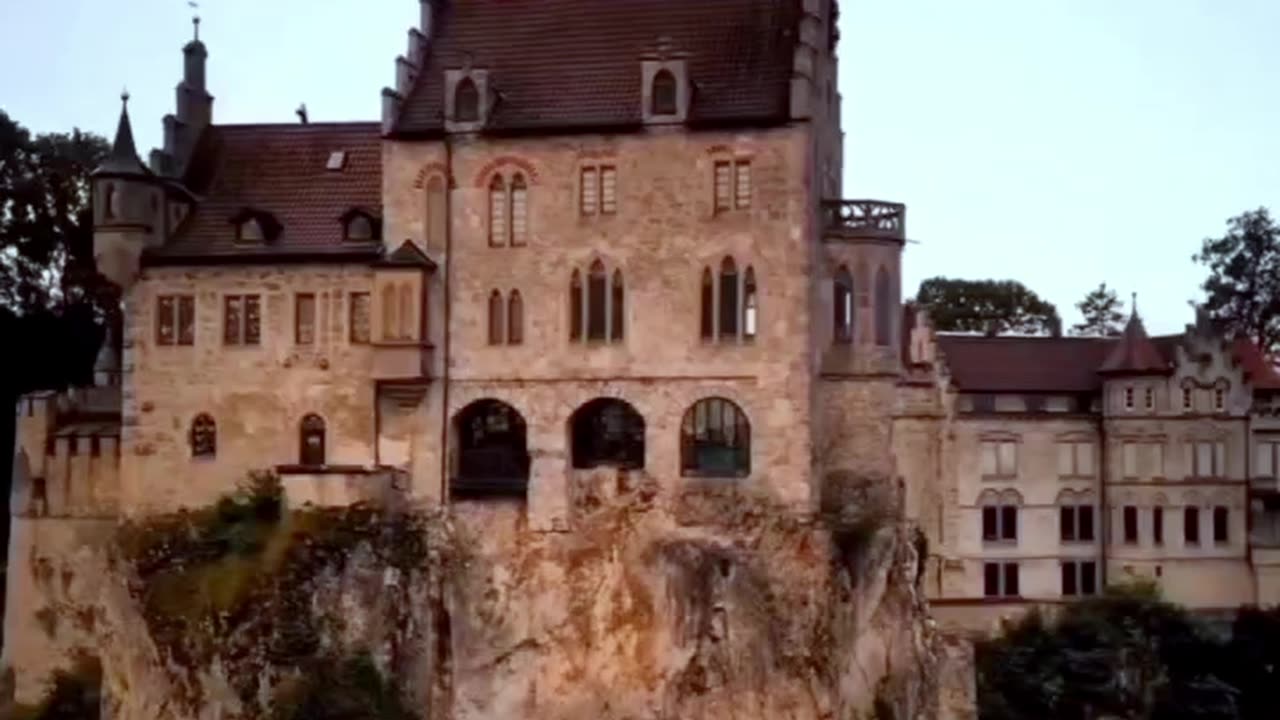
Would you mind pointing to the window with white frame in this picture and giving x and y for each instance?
(1075, 458)
(999, 458)
(1205, 458)
(598, 190)
(732, 185)
(1129, 459)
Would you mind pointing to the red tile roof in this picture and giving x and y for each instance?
(1134, 353)
(1259, 368)
(281, 170)
(577, 63)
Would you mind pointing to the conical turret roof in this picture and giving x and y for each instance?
(123, 159)
(1135, 354)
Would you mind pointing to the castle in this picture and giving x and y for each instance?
(616, 248)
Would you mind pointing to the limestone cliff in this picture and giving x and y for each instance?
(710, 605)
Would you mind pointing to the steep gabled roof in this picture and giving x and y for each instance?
(280, 170)
(1134, 353)
(557, 64)
(1024, 364)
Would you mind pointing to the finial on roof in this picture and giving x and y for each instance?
(1133, 304)
(124, 97)
(195, 23)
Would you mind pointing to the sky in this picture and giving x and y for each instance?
(1060, 143)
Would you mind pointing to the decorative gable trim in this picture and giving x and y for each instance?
(485, 174)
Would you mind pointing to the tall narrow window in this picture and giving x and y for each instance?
(1128, 398)
(842, 306)
(109, 203)
(311, 445)
(186, 320)
(715, 440)
(241, 320)
(1219, 399)
(728, 299)
(497, 212)
(304, 319)
(1187, 399)
(663, 93)
(496, 322)
(358, 322)
(723, 185)
(1221, 528)
(608, 190)
(519, 211)
(390, 316)
(437, 212)
(204, 436)
(175, 320)
(165, 316)
(884, 308)
(750, 306)
(742, 184)
(1191, 525)
(1149, 398)
(466, 101)
(708, 306)
(596, 293)
(515, 319)
(1157, 525)
(617, 308)
(407, 315)
(1130, 518)
(590, 191)
(575, 306)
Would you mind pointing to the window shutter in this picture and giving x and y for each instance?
(608, 190)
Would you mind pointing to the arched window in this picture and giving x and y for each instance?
(359, 227)
(250, 230)
(497, 212)
(750, 305)
(466, 101)
(492, 450)
(715, 440)
(842, 306)
(496, 323)
(390, 319)
(663, 93)
(708, 322)
(884, 308)
(596, 318)
(575, 306)
(515, 319)
(519, 211)
(607, 432)
(204, 436)
(728, 299)
(617, 308)
(109, 209)
(406, 312)
(437, 215)
(311, 440)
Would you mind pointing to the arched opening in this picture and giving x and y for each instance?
(728, 299)
(359, 228)
(750, 306)
(607, 432)
(519, 210)
(204, 436)
(496, 322)
(596, 318)
(617, 308)
(884, 308)
(466, 101)
(707, 321)
(715, 440)
(515, 318)
(575, 306)
(663, 93)
(842, 306)
(492, 450)
(311, 450)
(497, 211)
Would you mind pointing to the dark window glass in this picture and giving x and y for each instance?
(232, 319)
(750, 304)
(708, 305)
(715, 440)
(607, 432)
(165, 318)
(1157, 525)
(515, 318)
(311, 450)
(1130, 524)
(204, 436)
(728, 299)
(984, 403)
(1034, 403)
(990, 523)
(1221, 533)
(596, 318)
(1067, 523)
(466, 101)
(1009, 522)
(842, 306)
(186, 320)
(496, 320)
(1068, 579)
(252, 320)
(1088, 578)
(1191, 525)
(618, 314)
(991, 579)
(1084, 514)
(1011, 580)
(885, 311)
(493, 453)
(663, 93)
(575, 306)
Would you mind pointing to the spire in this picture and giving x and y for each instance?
(123, 158)
(1134, 353)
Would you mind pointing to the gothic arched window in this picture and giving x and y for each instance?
(750, 304)
(466, 101)
(617, 308)
(842, 306)
(707, 321)
(497, 212)
(515, 318)
(597, 321)
(496, 322)
(728, 299)
(607, 432)
(663, 93)
(204, 436)
(715, 440)
(311, 440)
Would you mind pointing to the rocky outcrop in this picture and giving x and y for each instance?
(713, 604)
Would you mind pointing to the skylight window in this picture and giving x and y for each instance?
(337, 159)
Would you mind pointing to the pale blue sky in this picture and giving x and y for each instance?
(1058, 142)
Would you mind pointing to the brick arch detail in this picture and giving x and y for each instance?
(426, 171)
(488, 169)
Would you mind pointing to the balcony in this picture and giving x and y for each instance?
(402, 370)
(864, 220)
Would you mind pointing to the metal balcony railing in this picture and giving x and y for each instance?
(864, 219)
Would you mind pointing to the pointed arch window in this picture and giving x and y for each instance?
(715, 440)
(466, 101)
(663, 93)
(750, 304)
(596, 317)
(497, 211)
(842, 306)
(729, 303)
(707, 321)
(519, 211)
(496, 322)
(515, 318)
(617, 308)
(729, 311)
(575, 306)
(311, 445)
(884, 308)
(204, 436)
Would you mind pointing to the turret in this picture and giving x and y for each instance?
(1134, 373)
(128, 207)
(194, 110)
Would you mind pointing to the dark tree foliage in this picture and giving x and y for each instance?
(1243, 288)
(340, 689)
(1129, 654)
(993, 307)
(74, 694)
(1101, 311)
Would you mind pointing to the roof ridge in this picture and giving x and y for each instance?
(299, 126)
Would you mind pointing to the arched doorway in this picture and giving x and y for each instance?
(607, 432)
(492, 450)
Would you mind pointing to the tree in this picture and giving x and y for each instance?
(1242, 291)
(987, 306)
(1101, 311)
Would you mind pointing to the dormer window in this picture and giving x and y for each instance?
(663, 93)
(255, 227)
(466, 102)
(250, 231)
(359, 226)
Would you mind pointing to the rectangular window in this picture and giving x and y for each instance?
(1221, 530)
(1069, 588)
(241, 320)
(1191, 525)
(519, 215)
(1079, 578)
(1150, 398)
(608, 190)
(1067, 523)
(1219, 399)
(742, 184)
(166, 320)
(1088, 578)
(304, 319)
(1075, 459)
(1084, 521)
(186, 320)
(991, 579)
(1000, 579)
(724, 189)
(1157, 525)
(175, 320)
(1129, 456)
(1130, 524)
(1009, 523)
(999, 458)
(1128, 398)
(1265, 459)
(1011, 580)
(358, 322)
(1000, 523)
(990, 524)
(1157, 460)
(590, 191)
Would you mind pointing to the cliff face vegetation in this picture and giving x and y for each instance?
(715, 604)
